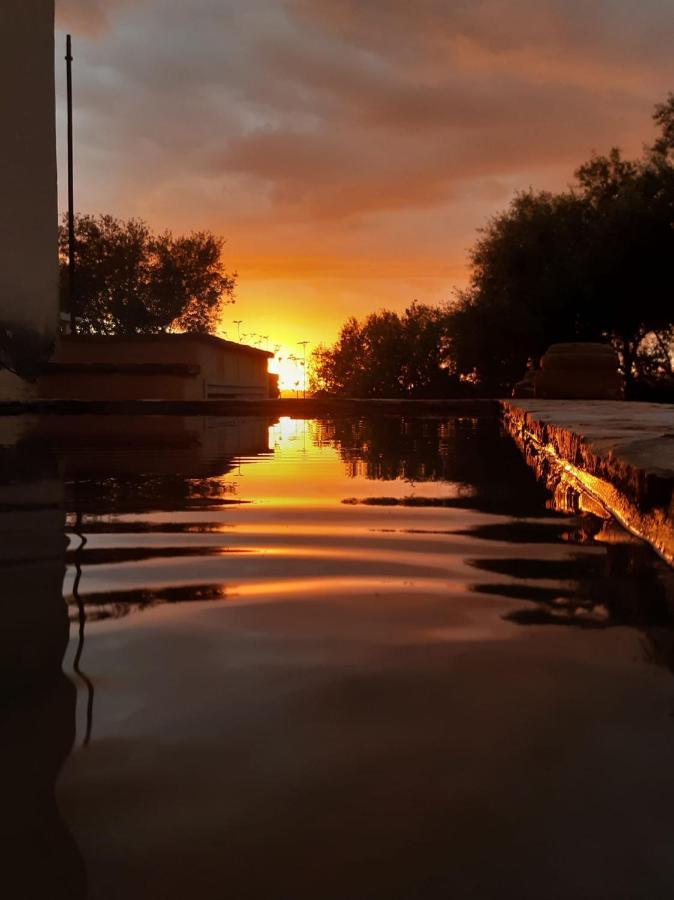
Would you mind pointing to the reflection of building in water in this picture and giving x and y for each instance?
(124, 464)
(127, 465)
(38, 858)
(141, 448)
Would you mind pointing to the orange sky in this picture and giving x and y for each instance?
(349, 149)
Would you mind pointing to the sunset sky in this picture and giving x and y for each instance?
(349, 149)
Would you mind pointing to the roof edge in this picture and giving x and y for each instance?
(165, 338)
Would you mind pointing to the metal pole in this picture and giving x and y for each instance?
(303, 345)
(71, 188)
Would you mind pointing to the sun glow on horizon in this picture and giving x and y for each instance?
(291, 357)
(289, 366)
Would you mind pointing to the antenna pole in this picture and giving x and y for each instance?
(303, 345)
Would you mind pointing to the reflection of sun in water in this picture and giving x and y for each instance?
(288, 434)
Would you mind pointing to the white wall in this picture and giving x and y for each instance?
(28, 200)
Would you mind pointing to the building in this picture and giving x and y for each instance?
(185, 367)
(156, 367)
(29, 208)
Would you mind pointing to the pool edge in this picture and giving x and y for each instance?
(620, 453)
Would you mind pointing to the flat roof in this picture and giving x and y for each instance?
(166, 338)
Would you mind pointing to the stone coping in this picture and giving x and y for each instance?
(620, 452)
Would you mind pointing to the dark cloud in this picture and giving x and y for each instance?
(609, 29)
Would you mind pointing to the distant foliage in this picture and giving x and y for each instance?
(131, 281)
(388, 355)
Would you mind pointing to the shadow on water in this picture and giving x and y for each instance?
(38, 857)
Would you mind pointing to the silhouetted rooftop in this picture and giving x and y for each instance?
(167, 338)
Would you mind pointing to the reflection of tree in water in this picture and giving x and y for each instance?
(386, 449)
(117, 604)
(468, 452)
(144, 493)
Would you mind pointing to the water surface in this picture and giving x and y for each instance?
(343, 659)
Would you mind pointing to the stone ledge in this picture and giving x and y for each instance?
(621, 453)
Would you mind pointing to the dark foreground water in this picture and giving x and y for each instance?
(323, 661)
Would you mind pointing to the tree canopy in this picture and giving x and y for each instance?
(591, 263)
(388, 355)
(131, 281)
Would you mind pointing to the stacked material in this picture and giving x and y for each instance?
(579, 372)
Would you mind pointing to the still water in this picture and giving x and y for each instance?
(343, 659)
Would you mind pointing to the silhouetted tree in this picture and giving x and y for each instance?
(590, 263)
(526, 290)
(388, 355)
(131, 281)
